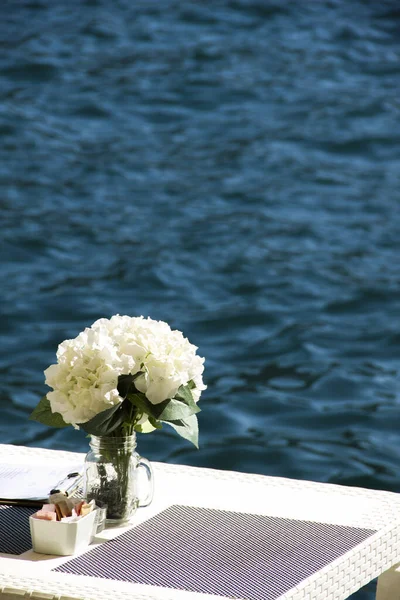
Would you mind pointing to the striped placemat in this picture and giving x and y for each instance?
(15, 535)
(218, 552)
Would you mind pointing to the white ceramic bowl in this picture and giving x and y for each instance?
(63, 539)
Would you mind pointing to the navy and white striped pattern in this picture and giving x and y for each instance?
(15, 535)
(218, 552)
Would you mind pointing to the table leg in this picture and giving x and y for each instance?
(389, 584)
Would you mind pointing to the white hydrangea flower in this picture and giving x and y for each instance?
(85, 377)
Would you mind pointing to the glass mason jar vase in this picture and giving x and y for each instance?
(112, 468)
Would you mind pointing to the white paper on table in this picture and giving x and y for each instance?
(32, 482)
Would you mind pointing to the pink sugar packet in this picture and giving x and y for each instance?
(49, 508)
(45, 515)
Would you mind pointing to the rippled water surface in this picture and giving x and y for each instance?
(231, 167)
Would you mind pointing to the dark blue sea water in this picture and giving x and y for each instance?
(231, 167)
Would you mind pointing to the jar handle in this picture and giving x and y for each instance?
(145, 464)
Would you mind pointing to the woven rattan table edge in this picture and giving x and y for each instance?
(328, 583)
(210, 473)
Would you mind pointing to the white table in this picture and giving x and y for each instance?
(29, 575)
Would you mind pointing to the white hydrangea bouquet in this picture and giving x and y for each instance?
(117, 377)
(123, 375)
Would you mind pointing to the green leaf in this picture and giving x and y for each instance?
(155, 423)
(43, 414)
(146, 427)
(139, 400)
(170, 410)
(188, 429)
(108, 420)
(185, 395)
(125, 383)
(149, 426)
(174, 410)
(177, 413)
